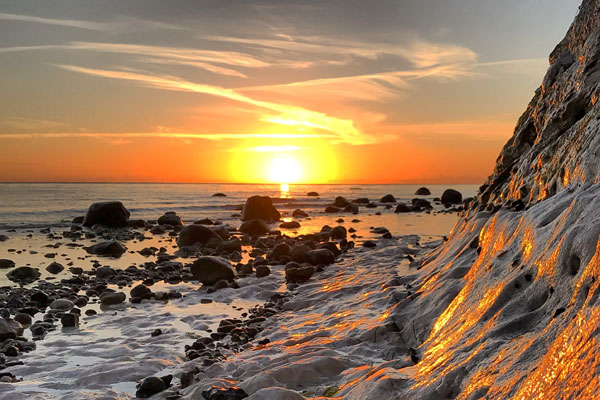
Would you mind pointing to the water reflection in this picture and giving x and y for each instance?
(284, 191)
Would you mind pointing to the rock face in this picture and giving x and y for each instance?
(209, 270)
(260, 207)
(108, 213)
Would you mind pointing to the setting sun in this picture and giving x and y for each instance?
(285, 170)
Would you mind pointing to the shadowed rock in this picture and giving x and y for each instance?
(107, 213)
(260, 207)
(195, 234)
(209, 270)
(108, 249)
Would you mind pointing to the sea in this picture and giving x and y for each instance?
(39, 205)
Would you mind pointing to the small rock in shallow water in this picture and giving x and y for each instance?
(69, 320)
(6, 264)
(369, 244)
(55, 268)
(109, 249)
(110, 298)
(23, 274)
(209, 270)
(262, 271)
(149, 387)
(62, 305)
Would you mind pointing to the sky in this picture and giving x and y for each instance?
(328, 91)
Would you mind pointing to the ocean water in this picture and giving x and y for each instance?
(36, 205)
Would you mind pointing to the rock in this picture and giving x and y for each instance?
(341, 202)
(105, 272)
(107, 213)
(331, 246)
(280, 250)
(369, 244)
(9, 329)
(260, 207)
(170, 218)
(290, 225)
(6, 264)
(149, 387)
(111, 298)
(262, 271)
(388, 198)
(299, 214)
(332, 209)
(338, 233)
(321, 257)
(196, 233)
(136, 223)
(69, 320)
(141, 291)
(78, 220)
(299, 253)
(23, 318)
(451, 196)
(312, 194)
(402, 208)
(361, 200)
(204, 221)
(421, 203)
(232, 393)
(55, 268)
(209, 270)
(229, 246)
(422, 191)
(219, 195)
(351, 208)
(62, 305)
(23, 274)
(254, 227)
(107, 249)
(278, 393)
(299, 274)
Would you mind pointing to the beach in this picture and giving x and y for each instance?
(339, 316)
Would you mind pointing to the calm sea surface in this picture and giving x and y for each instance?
(34, 205)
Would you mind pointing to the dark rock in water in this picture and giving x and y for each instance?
(55, 268)
(232, 393)
(170, 218)
(361, 200)
(107, 213)
(312, 194)
(141, 291)
(229, 246)
(219, 195)
(204, 221)
(402, 208)
(136, 223)
(299, 214)
(321, 256)
(110, 298)
(332, 209)
(6, 264)
(299, 253)
(105, 272)
(78, 220)
(419, 204)
(69, 320)
(9, 329)
(23, 318)
(369, 244)
(331, 246)
(260, 207)
(209, 270)
(255, 227)
(262, 271)
(156, 332)
(351, 208)
(422, 191)
(341, 202)
(298, 274)
(388, 198)
(23, 274)
(451, 196)
(325, 228)
(3, 238)
(108, 249)
(221, 231)
(371, 205)
(149, 387)
(290, 225)
(62, 305)
(337, 233)
(195, 233)
(40, 297)
(281, 250)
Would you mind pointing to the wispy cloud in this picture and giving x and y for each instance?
(344, 130)
(120, 25)
(166, 135)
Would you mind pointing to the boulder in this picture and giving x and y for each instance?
(149, 387)
(361, 200)
(290, 225)
(262, 271)
(170, 218)
(281, 250)
(451, 196)
(23, 274)
(111, 298)
(299, 214)
(341, 202)
(107, 249)
(422, 191)
(332, 209)
(338, 233)
(421, 203)
(388, 198)
(402, 208)
(9, 329)
(209, 270)
(141, 291)
(299, 274)
(196, 233)
(105, 272)
(229, 246)
(69, 320)
(6, 264)
(62, 305)
(312, 194)
(219, 195)
(299, 253)
(321, 256)
(55, 268)
(107, 213)
(254, 227)
(351, 208)
(260, 207)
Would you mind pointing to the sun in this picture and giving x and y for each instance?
(285, 170)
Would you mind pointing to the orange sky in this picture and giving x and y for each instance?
(333, 92)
